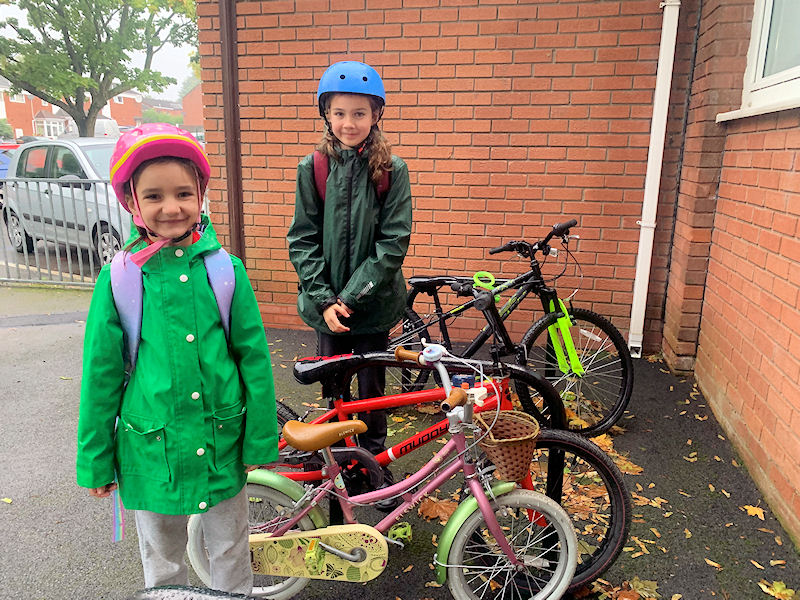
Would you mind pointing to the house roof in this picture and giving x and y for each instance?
(163, 104)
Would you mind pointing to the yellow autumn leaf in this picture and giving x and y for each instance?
(676, 597)
(687, 534)
(756, 565)
(775, 563)
(713, 564)
(408, 568)
(7, 500)
(753, 511)
(655, 532)
(777, 590)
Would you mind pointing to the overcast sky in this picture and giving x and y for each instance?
(171, 61)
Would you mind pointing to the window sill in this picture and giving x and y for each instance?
(757, 110)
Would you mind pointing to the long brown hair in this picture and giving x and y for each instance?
(184, 162)
(376, 147)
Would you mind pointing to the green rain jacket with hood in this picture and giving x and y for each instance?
(197, 408)
(352, 245)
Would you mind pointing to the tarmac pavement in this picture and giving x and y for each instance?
(691, 534)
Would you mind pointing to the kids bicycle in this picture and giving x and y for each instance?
(569, 468)
(500, 543)
(580, 352)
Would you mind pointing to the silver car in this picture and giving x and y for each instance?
(59, 191)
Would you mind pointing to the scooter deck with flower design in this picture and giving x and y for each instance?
(304, 553)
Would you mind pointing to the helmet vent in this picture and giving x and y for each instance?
(341, 76)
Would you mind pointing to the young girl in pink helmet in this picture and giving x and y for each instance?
(175, 423)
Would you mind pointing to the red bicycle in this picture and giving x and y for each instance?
(567, 467)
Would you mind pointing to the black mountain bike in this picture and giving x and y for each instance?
(580, 352)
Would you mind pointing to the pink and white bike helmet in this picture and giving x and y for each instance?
(146, 142)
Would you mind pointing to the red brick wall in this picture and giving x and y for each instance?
(716, 87)
(748, 363)
(510, 117)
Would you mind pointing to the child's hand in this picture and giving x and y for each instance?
(103, 492)
(332, 315)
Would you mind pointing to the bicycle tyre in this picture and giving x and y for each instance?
(599, 398)
(409, 333)
(476, 561)
(591, 489)
(260, 498)
(285, 414)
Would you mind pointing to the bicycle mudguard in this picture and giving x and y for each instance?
(454, 523)
(286, 486)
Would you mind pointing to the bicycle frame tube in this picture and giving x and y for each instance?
(343, 410)
(456, 444)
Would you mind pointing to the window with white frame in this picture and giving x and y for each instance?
(772, 78)
(119, 99)
(18, 98)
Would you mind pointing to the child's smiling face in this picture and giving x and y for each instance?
(351, 118)
(168, 201)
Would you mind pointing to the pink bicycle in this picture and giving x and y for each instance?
(502, 542)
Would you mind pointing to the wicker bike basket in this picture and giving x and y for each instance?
(510, 443)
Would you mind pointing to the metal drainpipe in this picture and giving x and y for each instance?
(231, 124)
(655, 157)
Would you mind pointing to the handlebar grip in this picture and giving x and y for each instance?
(402, 354)
(503, 248)
(457, 397)
(559, 229)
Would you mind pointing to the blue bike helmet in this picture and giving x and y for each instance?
(351, 77)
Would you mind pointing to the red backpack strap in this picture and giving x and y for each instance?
(383, 187)
(321, 170)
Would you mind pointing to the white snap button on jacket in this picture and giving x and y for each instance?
(178, 252)
(195, 395)
(202, 505)
(184, 278)
(190, 338)
(200, 451)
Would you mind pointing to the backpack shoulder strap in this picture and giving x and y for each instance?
(382, 188)
(219, 268)
(321, 171)
(126, 288)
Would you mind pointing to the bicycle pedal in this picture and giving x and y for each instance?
(400, 532)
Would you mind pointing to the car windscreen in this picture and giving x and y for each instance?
(100, 157)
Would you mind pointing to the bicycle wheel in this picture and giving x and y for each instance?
(547, 548)
(598, 398)
(285, 414)
(266, 505)
(587, 484)
(409, 333)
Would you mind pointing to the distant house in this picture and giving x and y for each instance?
(126, 108)
(193, 110)
(162, 106)
(51, 124)
(21, 110)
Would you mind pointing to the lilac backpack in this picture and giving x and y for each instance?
(127, 288)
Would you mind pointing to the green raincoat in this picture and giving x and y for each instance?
(353, 245)
(196, 408)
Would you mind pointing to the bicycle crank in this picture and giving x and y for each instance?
(340, 552)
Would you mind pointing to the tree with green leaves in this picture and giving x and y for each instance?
(76, 54)
(151, 115)
(5, 129)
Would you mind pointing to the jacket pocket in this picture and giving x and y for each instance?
(142, 448)
(228, 432)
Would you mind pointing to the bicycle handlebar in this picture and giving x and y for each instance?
(402, 354)
(559, 229)
(528, 249)
(458, 397)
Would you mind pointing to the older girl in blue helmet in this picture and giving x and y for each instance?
(348, 248)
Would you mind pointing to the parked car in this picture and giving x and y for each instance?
(59, 191)
(6, 152)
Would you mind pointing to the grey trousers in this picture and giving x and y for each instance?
(163, 538)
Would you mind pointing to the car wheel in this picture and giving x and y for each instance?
(16, 233)
(106, 243)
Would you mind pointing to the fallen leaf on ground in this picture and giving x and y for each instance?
(753, 511)
(778, 589)
(713, 564)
